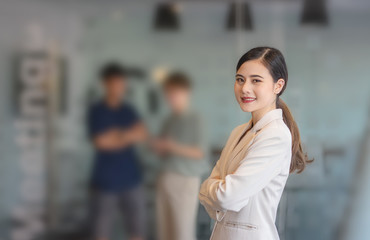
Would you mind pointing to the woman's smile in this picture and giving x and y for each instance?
(247, 99)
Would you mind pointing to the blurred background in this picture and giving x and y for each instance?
(326, 43)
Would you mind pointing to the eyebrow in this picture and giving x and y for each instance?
(239, 75)
(254, 75)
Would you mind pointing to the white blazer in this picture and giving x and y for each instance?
(244, 189)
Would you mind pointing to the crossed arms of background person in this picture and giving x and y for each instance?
(116, 138)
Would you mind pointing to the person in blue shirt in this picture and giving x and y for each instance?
(114, 129)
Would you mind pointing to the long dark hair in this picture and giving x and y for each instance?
(274, 61)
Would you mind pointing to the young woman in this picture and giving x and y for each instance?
(244, 189)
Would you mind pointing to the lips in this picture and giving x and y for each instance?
(248, 99)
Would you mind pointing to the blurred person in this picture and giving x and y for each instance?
(115, 128)
(182, 145)
(244, 189)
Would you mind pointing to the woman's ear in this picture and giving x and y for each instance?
(279, 85)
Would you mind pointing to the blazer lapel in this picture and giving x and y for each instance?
(244, 143)
(225, 155)
(236, 147)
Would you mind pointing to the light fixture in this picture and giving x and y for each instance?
(314, 13)
(166, 17)
(239, 17)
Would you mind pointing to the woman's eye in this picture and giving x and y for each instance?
(256, 80)
(240, 80)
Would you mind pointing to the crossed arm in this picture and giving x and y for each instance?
(166, 145)
(115, 138)
(262, 163)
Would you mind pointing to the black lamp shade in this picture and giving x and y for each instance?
(314, 13)
(166, 17)
(239, 17)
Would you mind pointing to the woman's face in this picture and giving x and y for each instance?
(255, 89)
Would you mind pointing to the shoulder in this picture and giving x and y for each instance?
(238, 129)
(96, 107)
(276, 130)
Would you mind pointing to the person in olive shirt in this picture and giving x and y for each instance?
(183, 147)
(114, 128)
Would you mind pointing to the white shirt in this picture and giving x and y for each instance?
(244, 189)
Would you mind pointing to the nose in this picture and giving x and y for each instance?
(246, 89)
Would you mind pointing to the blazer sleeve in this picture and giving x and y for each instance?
(262, 163)
(210, 208)
(213, 210)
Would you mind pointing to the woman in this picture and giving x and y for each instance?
(244, 189)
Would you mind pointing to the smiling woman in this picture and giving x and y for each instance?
(256, 93)
(244, 189)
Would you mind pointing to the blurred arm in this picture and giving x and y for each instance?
(108, 140)
(193, 152)
(136, 134)
(115, 139)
